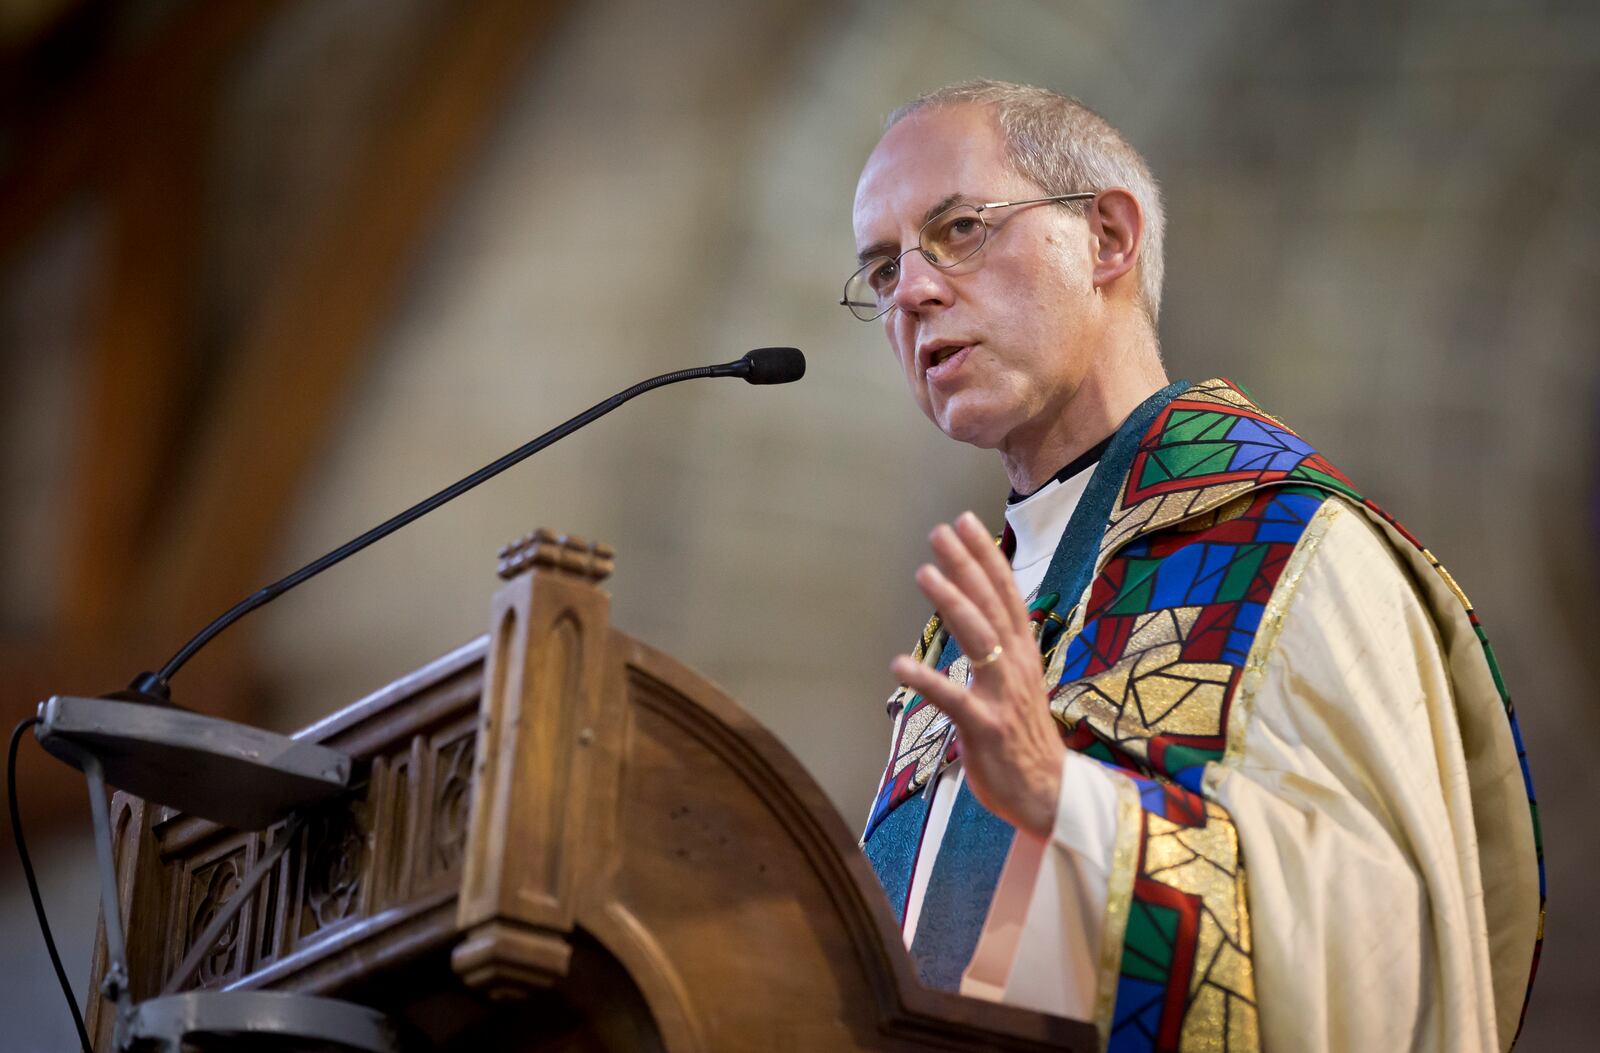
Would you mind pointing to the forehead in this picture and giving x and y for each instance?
(925, 158)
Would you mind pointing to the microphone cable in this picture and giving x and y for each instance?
(33, 882)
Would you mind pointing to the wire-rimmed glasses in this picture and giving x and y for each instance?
(953, 236)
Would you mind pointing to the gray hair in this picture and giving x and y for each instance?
(1064, 146)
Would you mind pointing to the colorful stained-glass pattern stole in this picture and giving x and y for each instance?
(1147, 686)
(1212, 443)
(1184, 979)
(1148, 681)
(918, 747)
(919, 743)
(1217, 499)
(1217, 496)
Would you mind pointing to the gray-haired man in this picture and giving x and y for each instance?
(1266, 791)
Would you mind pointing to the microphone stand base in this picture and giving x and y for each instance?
(257, 1020)
(229, 773)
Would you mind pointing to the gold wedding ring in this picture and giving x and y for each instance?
(989, 659)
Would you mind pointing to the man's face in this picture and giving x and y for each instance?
(1016, 314)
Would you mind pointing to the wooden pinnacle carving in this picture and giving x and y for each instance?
(591, 561)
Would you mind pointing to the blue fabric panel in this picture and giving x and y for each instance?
(1137, 1016)
(1243, 633)
(1285, 519)
(1264, 459)
(1151, 799)
(892, 850)
(1218, 558)
(1264, 448)
(1080, 651)
(1175, 577)
(959, 890)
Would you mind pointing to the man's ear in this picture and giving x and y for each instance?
(1117, 222)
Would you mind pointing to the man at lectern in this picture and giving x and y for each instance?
(1269, 790)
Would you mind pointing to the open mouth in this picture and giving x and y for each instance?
(941, 361)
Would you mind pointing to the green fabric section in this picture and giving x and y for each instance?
(1494, 663)
(1137, 585)
(1179, 757)
(1323, 479)
(1154, 472)
(1241, 572)
(1147, 942)
(1188, 459)
(1194, 425)
(1100, 752)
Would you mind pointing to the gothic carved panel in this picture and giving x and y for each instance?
(394, 845)
(403, 835)
(388, 853)
(207, 887)
(452, 801)
(335, 867)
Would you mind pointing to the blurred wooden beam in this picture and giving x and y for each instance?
(290, 370)
(133, 596)
(132, 135)
(62, 151)
(139, 353)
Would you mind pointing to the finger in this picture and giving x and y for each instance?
(953, 699)
(965, 572)
(979, 543)
(974, 633)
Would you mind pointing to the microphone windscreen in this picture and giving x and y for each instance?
(775, 365)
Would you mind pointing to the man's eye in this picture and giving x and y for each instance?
(883, 276)
(964, 226)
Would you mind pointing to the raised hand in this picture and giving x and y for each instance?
(1010, 744)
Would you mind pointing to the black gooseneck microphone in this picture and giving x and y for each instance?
(170, 756)
(764, 365)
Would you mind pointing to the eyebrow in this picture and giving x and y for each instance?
(885, 248)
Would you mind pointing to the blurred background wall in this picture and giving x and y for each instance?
(270, 271)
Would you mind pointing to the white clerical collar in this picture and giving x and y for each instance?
(1039, 520)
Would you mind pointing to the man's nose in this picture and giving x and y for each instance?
(921, 284)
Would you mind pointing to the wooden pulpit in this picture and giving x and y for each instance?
(560, 839)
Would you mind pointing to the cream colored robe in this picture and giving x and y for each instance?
(1347, 779)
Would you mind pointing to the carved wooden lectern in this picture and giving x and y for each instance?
(560, 839)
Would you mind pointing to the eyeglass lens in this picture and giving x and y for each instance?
(947, 239)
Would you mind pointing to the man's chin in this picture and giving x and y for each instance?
(973, 428)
